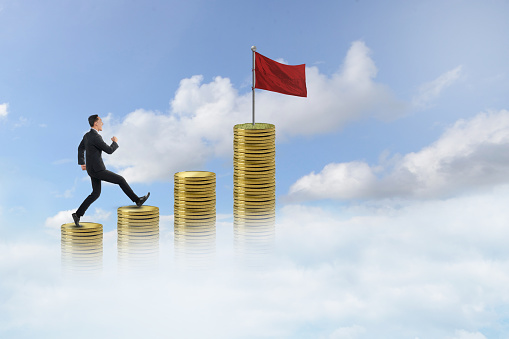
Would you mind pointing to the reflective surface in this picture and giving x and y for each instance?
(82, 248)
(138, 238)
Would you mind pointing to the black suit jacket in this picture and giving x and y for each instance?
(94, 144)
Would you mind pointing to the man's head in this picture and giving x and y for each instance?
(95, 122)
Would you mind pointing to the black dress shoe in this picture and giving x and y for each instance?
(142, 200)
(76, 219)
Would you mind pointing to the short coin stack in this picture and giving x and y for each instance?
(254, 171)
(138, 237)
(82, 247)
(195, 197)
(195, 218)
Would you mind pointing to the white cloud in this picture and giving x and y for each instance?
(3, 110)
(199, 126)
(424, 270)
(471, 154)
(432, 90)
(63, 217)
(351, 332)
(468, 335)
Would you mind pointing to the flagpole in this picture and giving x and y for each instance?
(253, 48)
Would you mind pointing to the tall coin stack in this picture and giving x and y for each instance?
(254, 195)
(82, 248)
(138, 238)
(195, 218)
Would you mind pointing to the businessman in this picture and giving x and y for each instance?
(93, 145)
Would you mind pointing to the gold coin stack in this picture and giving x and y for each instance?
(254, 171)
(82, 247)
(195, 218)
(138, 237)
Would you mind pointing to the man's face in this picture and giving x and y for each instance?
(99, 124)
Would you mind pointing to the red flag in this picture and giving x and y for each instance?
(274, 76)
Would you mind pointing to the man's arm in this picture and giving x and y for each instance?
(99, 143)
(81, 152)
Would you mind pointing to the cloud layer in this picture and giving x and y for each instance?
(199, 125)
(469, 155)
(434, 269)
(430, 91)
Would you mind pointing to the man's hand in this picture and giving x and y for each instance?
(114, 139)
(83, 167)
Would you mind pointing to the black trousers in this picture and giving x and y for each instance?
(96, 188)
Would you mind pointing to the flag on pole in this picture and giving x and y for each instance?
(276, 77)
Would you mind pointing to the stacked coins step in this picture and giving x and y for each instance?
(254, 171)
(138, 236)
(195, 198)
(195, 218)
(82, 247)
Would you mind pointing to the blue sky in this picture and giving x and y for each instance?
(406, 120)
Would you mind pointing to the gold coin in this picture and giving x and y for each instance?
(255, 165)
(81, 233)
(254, 162)
(138, 215)
(254, 194)
(193, 224)
(194, 174)
(137, 219)
(97, 239)
(196, 184)
(248, 148)
(204, 185)
(194, 203)
(128, 230)
(253, 140)
(239, 152)
(145, 236)
(84, 227)
(210, 221)
(256, 174)
(200, 182)
(242, 145)
(144, 209)
(254, 135)
(194, 218)
(138, 225)
(194, 209)
(254, 188)
(253, 205)
(209, 194)
(244, 182)
(241, 204)
(84, 241)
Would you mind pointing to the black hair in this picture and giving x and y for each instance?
(92, 119)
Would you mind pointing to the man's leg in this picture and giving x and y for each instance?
(96, 192)
(119, 180)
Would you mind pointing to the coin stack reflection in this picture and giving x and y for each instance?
(138, 238)
(195, 219)
(254, 194)
(254, 240)
(82, 248)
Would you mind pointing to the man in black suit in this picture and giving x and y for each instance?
(94, 145)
